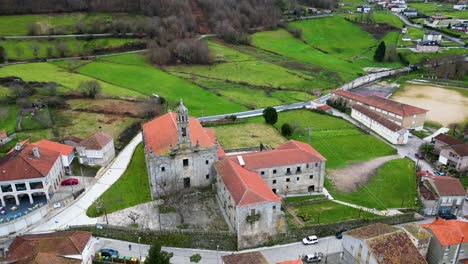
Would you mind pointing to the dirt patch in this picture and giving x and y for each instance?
(445, 105)
(108, 106)
(353, 176)
(377, 30)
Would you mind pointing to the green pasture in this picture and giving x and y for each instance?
(432, 8)
(8, 114)
(23, 49)
(18, 24)
(133, 183)
(339, 141)
(392, 186)
(281, 42)
(250, 97)
(325, 212)
(247, 135)
(46, 72)
(415, 58)
(149, 80)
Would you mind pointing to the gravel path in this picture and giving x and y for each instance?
(355, 175)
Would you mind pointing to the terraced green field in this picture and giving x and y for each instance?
(8, 115)
(392, 186)
(23, 49)
(148, 80)
(46, 72)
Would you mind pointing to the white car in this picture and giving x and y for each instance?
(310, 240)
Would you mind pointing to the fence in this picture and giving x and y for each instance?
(175, 238)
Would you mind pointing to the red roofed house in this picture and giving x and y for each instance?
(407, 116)
(97, 149)
(443, 140)
(63, 247)
(179, 152)
(387, 129)
(293, 167)
(296, 261)
(440, 193)
(379, 244)
(252, 209)
(29, 171)
(455, 156)
(67, 153)
(449, 243)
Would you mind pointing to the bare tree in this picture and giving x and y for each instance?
(133, 216)
(81, 26)
(62, 48)
(90, 89)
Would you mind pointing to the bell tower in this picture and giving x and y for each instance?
(182, 125)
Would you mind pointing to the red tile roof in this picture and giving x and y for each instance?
(21, 164)
(245, 258)
(245, 187)
(324, 107)
(97, 141)
(383, 103)
(290, 153)
(161, 133)
(63, 149)
(297, 261)
(391, 243)
(447, 140)
(377, 118)
(461, 149)
(36, 248)
(449, 232)
(445, 185)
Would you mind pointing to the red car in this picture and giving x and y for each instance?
(69, 181)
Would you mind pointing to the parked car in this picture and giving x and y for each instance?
(310, 240)
(447, 216)
(339, 234)
(466, 198)
(312, 258)
(107, 252)
(69, 181)
(439, 173)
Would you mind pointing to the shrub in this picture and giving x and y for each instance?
(286, 130)
(195, 258)
(90, 89)
(380, 52)
(270, 115)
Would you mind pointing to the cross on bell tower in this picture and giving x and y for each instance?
(182, 124)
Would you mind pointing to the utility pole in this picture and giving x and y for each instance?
(139, 247)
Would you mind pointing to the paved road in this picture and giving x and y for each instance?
(408, 23)
(272, 254)
(75, 214)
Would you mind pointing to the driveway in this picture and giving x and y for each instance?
(410, 149)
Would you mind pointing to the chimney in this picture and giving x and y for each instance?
(18, 146)
(100, 129)
(240, 160)
(36, 152)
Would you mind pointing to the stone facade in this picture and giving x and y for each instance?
(185, 164)
(297, 178)
(182, 168)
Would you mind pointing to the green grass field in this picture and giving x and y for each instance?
(22, 49)
(392, 186)
(18, 24)
(148, 80)
(429, 9)
(295, 199)
(133, 183)
(336, 139)
(46, 72)
(8, 114)
(4, 92)
(281, 42)
(247, 135)
(326, 212)
(415, 58)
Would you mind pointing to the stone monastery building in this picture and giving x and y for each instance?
(181, 154)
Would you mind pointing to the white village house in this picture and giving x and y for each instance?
(97, 149)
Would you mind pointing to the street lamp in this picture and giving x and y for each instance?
(139, 247)
(217, 254)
